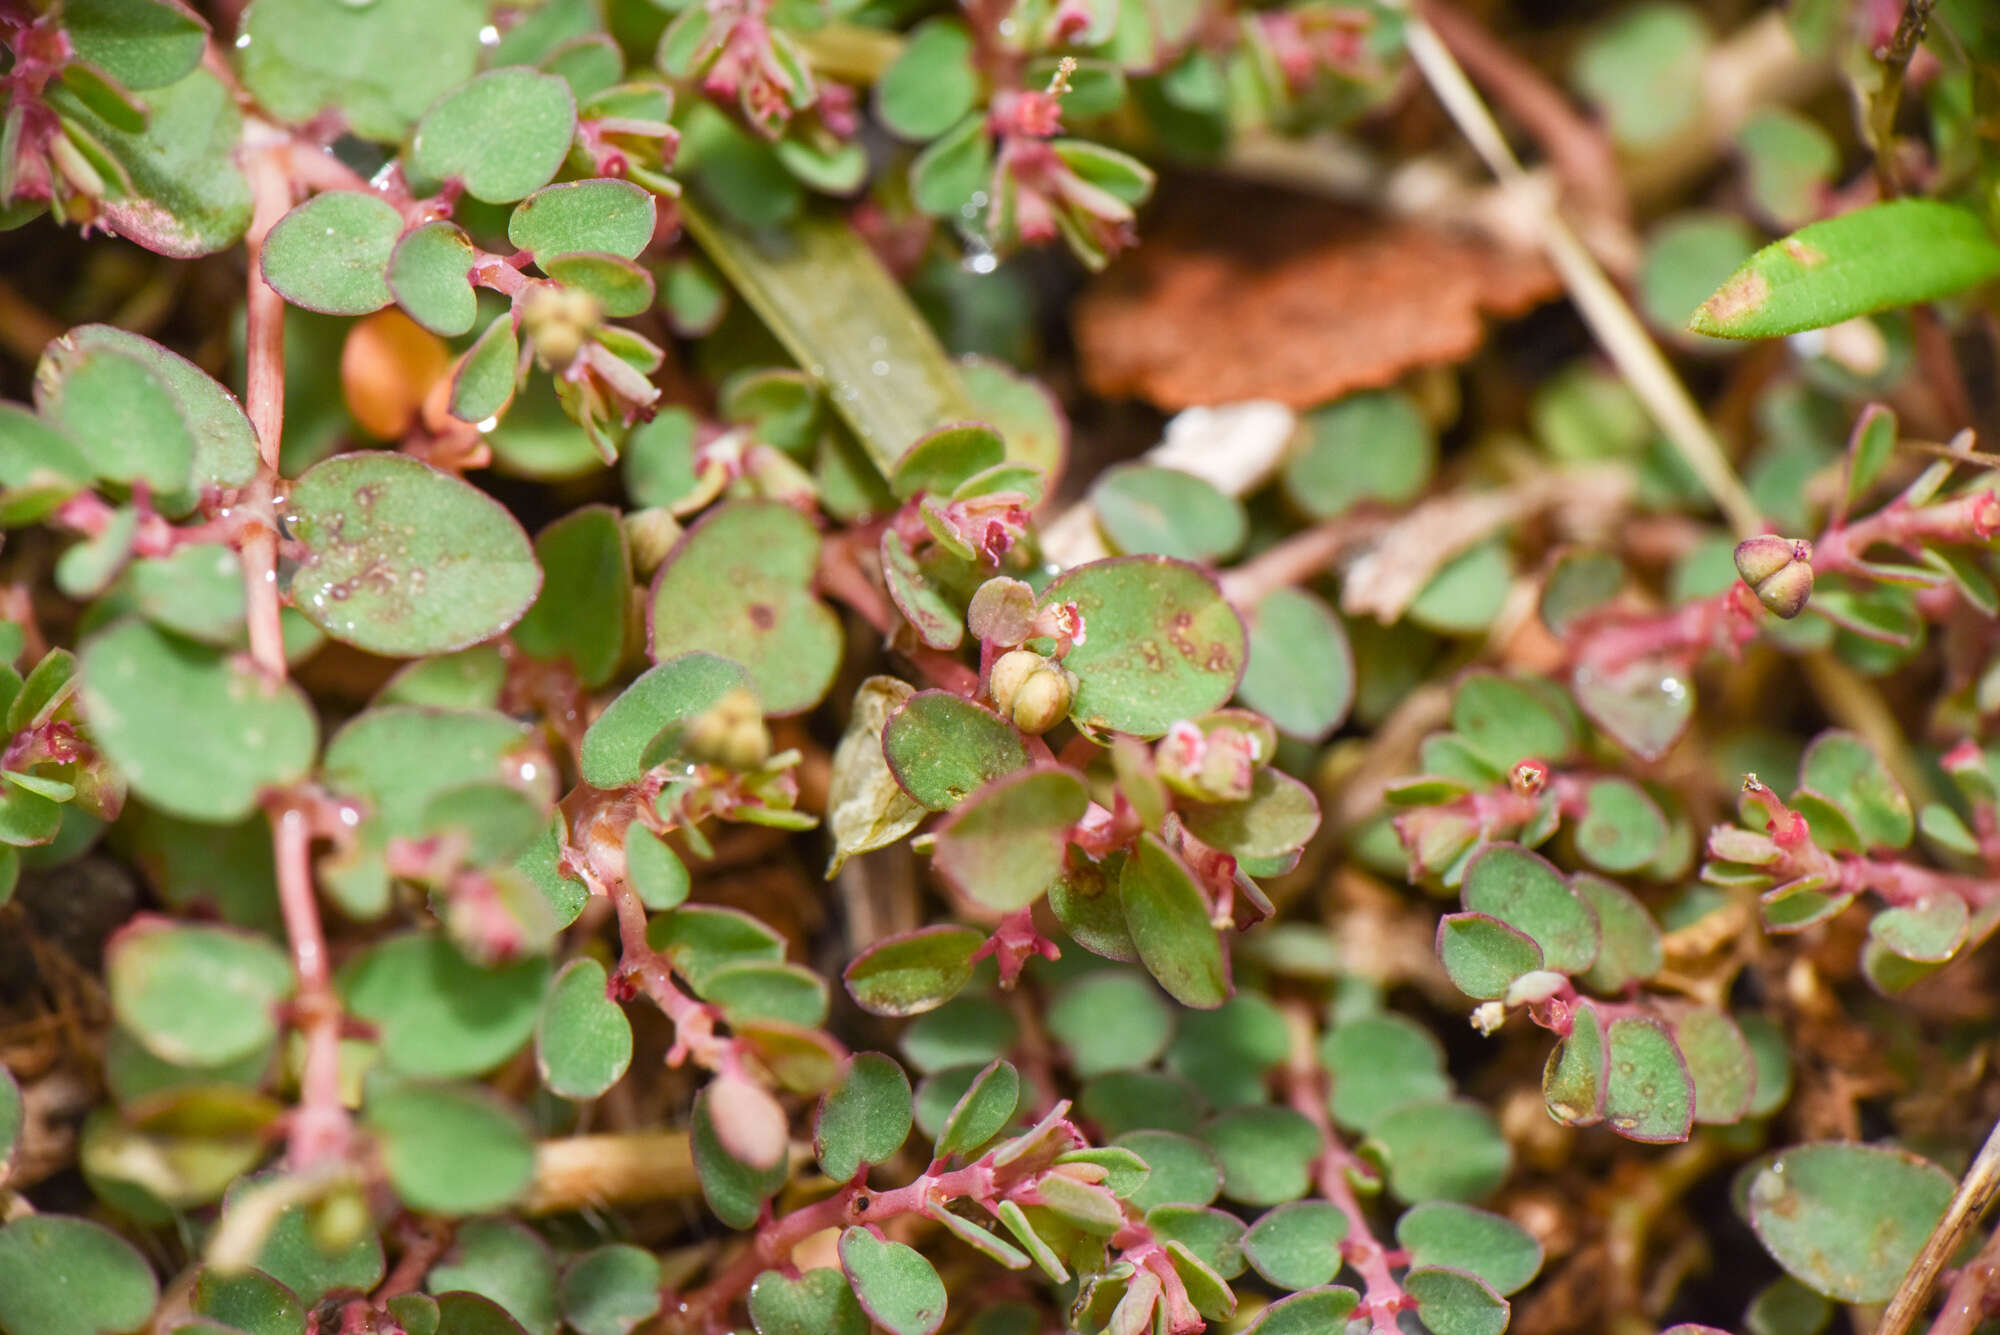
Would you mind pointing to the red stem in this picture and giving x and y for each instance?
(1382, 1295)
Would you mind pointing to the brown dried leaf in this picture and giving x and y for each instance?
(1252, 293)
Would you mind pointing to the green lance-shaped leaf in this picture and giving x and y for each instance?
(609, 1290)
(913, 972)
(1160, 645)
(896, 1286)
(404, 560)
(65, 1276)
(331, 254)
(841, 315)
(484, 382)
(941, 748)
(818, 1302)
(196, 732)
(1847, 1220)
(503, 135)
(1897, 253)
(864, 1119)
(196, 996)
(1003, 847)
(739, 585)
(583, 1042)
(1168, 917)
(10, 1119)
(606, 216)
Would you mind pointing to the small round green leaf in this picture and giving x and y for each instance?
(931, 83)
(914, 971)
(583, 1042)
(1301, 670)
(1447, 1150)
(614, 748)
(1525, 892)
(1631, 951)
(449, 1149)
(1483, 956)
(1648, 1094)
(1454, 1302)
(378, 65)
(895, 1285)
(1297, 1246)
(739, 584)
(503, 135)
(1110, 1020)
(225, 448)
(502, 1260)
(248, 1300)
(1574, 1080)
(735, 1191)
(1003, 847)
(1847, 1220)
(438, 1013)
(1145, 509)
(818, 1302)
(941, 747)
(580, 613)
(864, 1119)
(401, 559)
(1309, 1313)
(61, 1275)
(198, 733)
(1621, 829)
(1379, 1063)
(1160, 644)
(331, 253)
(609, 1290)
(123, 416)
(1490, 1246)
(1267, 1153)
(430, 277)
(1180, 1170)
(611, 217)
(1368, 446)
(196, 996)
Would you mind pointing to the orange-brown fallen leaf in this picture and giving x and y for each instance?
(1253, 293)
(387, 366)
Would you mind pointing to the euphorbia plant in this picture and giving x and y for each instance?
(470, 905)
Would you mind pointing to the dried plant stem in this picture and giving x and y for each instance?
(1888, 98)
(1606, 312)
(1975, 1193)
(1849, 699)
(1965, 1301)
(600, 1172)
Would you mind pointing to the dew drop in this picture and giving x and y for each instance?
(243, 42)
(489, 36)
